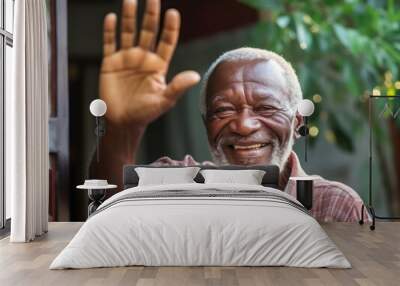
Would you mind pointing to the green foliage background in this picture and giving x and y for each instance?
(341, 50)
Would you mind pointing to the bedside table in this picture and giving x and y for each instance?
(96, 192)
(304, 190)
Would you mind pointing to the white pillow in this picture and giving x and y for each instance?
(163, 176)
(248, 177)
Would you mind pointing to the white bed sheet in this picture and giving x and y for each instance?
(199, 232)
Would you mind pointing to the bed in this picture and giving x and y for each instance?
(201, 224)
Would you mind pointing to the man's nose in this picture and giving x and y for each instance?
(245, 123)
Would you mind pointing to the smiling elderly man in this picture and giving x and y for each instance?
(248, 103)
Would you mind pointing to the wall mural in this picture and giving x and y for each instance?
(179, 94)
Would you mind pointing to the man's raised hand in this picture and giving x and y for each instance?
(132, 79)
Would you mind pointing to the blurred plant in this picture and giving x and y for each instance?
(342, 51)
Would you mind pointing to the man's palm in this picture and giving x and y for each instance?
(132, 80)
(134, 94)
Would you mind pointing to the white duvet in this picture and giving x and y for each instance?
(188, 231)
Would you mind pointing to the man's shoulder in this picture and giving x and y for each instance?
(334, 188)
(337, 202)
(188, 160)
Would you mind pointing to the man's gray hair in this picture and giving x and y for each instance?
(293, 85)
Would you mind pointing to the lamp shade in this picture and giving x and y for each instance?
(98, 107)
(306, 107)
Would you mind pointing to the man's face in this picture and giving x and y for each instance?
(249, 120)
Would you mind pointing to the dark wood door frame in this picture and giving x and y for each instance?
(59, 121)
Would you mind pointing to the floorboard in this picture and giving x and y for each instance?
(374, 255)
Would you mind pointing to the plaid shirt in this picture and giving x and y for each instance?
(332, 201)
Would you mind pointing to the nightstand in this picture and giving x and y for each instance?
(96, 191)
(304, 190)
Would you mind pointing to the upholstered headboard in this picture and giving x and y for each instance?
(270, 179)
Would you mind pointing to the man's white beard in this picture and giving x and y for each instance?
(279, 156)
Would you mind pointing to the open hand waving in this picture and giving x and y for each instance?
(132, 79)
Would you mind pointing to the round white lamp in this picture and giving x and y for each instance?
(306, 109)
(98, 108)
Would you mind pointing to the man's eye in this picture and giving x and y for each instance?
(265, 109)
(221, 110)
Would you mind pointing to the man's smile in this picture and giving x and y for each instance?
(245, 150)
(248, 146)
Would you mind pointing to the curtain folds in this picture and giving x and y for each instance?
(27, 124)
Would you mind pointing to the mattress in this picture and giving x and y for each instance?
(201, 225)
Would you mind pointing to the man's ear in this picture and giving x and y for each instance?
(203, 117)
(298, 122)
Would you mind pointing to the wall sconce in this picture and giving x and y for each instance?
(98, 108)
(306, 109)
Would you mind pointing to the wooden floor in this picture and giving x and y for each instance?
(374, 255)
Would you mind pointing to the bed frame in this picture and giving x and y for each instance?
(270, 179)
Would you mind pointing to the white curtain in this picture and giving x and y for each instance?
(27, 123)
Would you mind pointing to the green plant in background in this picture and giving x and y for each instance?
(342, 51)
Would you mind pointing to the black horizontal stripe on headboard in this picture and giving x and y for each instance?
(270, 179)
